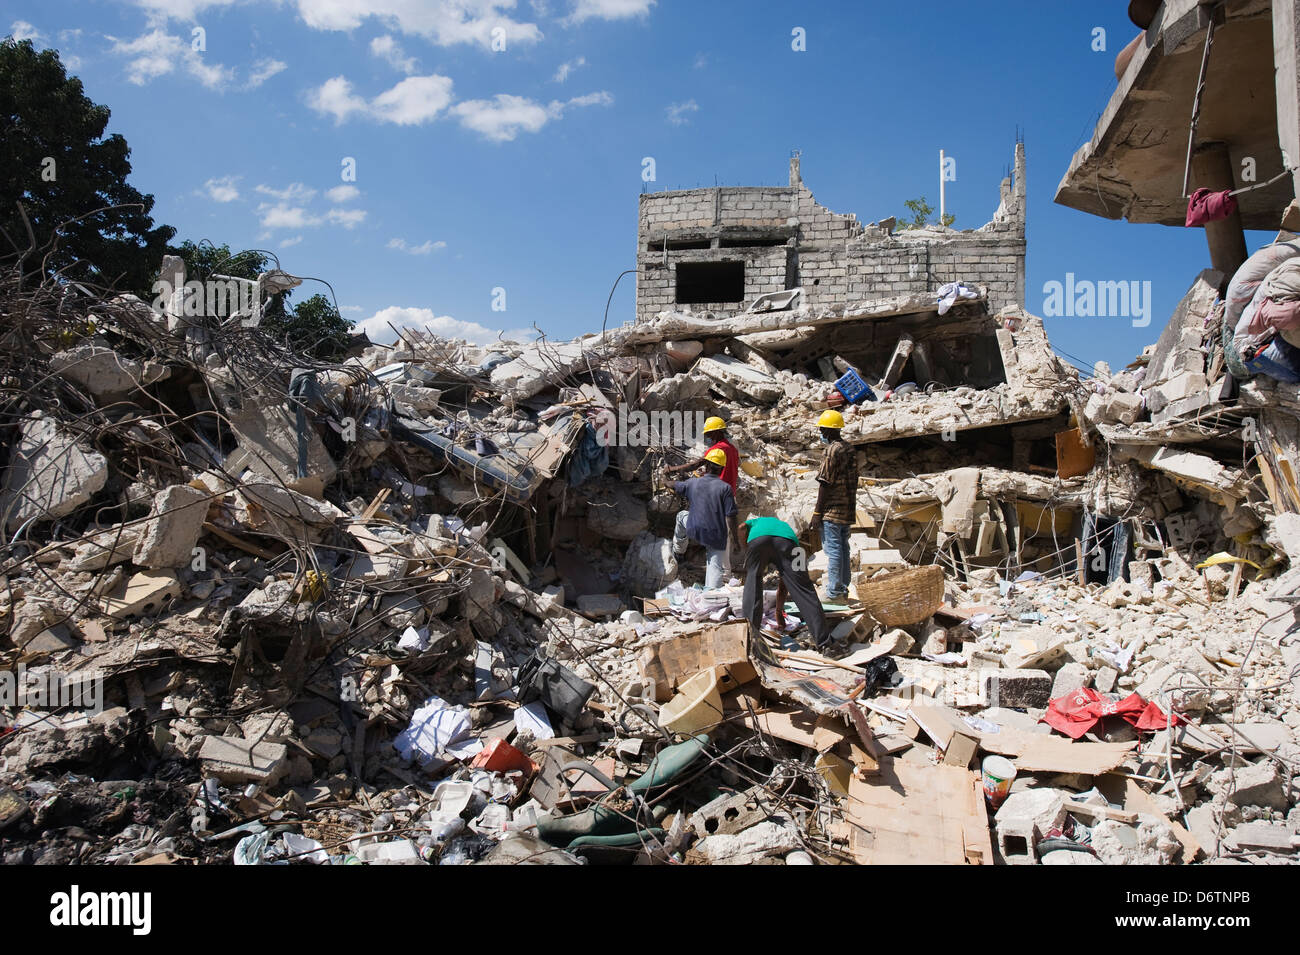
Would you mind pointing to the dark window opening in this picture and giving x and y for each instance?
(678, 245)
(749, 243)
(701, 283)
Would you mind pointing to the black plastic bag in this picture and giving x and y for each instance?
(562, 691)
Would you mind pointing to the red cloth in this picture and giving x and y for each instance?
(731, 473)
(1078, 712)
(1206, 206)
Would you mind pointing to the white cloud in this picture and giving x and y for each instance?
(565, 69)
(351, 309)
(291, 208)
(265, 70)
(679, 113)
(386, 48)
(22, 30)
(377, 327)
(600, 98)
(608, 9)
(701, 61)
(425, 248)
(289, 242)
(158, 53)
(348, 218)
(281, 216)
(291, 192)
(505, 116)
(441, 22)
(222, 189)
(335, 97)
(502, 118)
(415, 100)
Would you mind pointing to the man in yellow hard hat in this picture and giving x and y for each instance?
(710, 519)
(715, 431)
(837, 502)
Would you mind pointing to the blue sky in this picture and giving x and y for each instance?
(480, 168)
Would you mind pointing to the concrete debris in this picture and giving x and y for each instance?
(409, 604)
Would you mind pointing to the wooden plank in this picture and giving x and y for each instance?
(796, 726)
(918, 814)
(375, 504)
(239, 542)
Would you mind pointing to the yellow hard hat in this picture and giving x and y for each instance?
(714, 424)
(831, 419)
(718, 457)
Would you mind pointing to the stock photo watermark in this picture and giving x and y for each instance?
(52, 689)
(1085, 298)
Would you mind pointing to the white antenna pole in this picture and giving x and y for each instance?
(942, 207)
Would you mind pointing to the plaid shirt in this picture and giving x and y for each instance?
(839, 475)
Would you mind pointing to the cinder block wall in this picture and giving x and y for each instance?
(833, 256)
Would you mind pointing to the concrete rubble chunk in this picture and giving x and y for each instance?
(50, 475)
(1150, 842)
(1017, 689)
(169, 537)
(103, 372)
(143, 594)
(234, 760)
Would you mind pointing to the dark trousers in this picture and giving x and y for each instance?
(761, 553)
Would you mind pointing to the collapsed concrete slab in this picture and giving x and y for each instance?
(50, 474)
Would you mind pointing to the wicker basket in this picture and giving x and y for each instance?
(903, 597)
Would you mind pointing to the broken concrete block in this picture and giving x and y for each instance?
(740, 380)
(106, 549)
(894, 641)
(1071, 677)
(1121, 407)
(1257, 784)
(268, 440)
(142, 594)
(420, 400)
(49, 475)
(756, 842)
(1024, 819)
(649, 563)
(169, 537)
(102, 372)
(730, 813)
(1150, 842)
(1269, 836)
(1103, 681)
(233, 760)
(1016, 689)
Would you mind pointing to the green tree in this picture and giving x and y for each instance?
(314, 326)
(56, 161)
(919, 213)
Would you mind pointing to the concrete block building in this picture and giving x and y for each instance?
(716, 249)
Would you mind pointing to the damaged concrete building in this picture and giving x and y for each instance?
(715, 249)
(422, 606)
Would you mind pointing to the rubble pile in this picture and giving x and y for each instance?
(421, 606)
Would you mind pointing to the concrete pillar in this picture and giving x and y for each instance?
(1212, 169)
(1286, 55)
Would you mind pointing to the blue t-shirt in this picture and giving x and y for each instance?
(711, 503)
